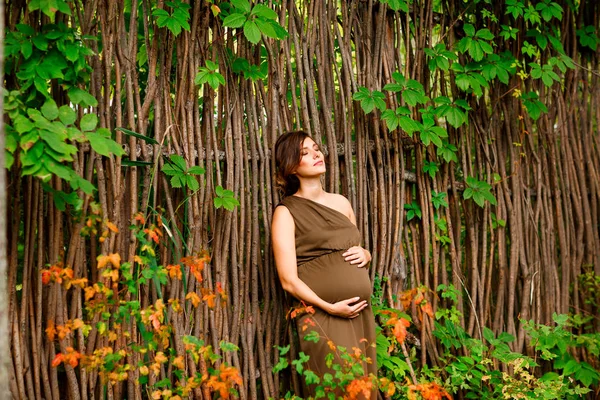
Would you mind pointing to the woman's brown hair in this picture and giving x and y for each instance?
(287, 158)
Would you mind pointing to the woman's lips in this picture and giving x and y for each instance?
(317, 163)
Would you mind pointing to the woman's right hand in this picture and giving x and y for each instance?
(349, 308)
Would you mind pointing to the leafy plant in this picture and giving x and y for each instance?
(397, 5)
(476, 42)
(454, 112)
(533, 105)
(440, 57)
(431, 168)
(430, 132)
(255, 21)
(181, 175)
(176, 20)
(370, 99)
(587, 37)
(412, 210)
(438, 199)
(480, 191)
(225, 198)
(412, 91)
(250, 71)
(209, 75)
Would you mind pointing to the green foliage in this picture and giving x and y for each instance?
(442, 226)
(370, 99)
(477, 44)
(480, 191)
(549, 9)
(412, 92)
(393, 118)
(176, 20)
(471, 364)
(533, 105)
(49, 7)
(469, 78)
(181, 175)
(430, 132)
(454, 112)
(225, 198)
(412, 210)
(439, 199)
(41, 132)
(255, 21)
(209, 75)
(545, 72)
(397, 5)
(587, 37)
(440, 57)
(498, 66)
(447, 151)
(250, 71)
(553, 343)
(431, 168)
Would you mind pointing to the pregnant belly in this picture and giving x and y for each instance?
(333, 279)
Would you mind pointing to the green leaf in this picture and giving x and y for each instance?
(469, 30)
(177, 181)
(72, 52)
(229, 203)
(261, 10)
(145, 138)
(251, 32)
(135, 163)
(78, 182)
(398, 5)
(192, 183)
(49, 109)
(572, 367)
(88, 122)
(234, 20)
(102, 143)
(67, 115)
(266, 28)
(65, 150)
(40, 42)
(78, 96)
(196, 171)
(243, 5)
(23, 124)
(179, 162)
(26, 49)
(409, 125)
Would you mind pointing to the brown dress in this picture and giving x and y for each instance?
(322, 234)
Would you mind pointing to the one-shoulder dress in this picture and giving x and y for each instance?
(322, 235)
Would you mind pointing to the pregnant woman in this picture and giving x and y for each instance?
(319, 258)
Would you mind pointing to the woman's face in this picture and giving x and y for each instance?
(312, 161)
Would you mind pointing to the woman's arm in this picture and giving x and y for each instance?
(284, 249)
(356, 254)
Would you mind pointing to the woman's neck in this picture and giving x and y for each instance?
(312, 190)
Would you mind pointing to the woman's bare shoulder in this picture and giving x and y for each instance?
(340, 202)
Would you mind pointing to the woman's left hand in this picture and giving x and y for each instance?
(357, 255)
